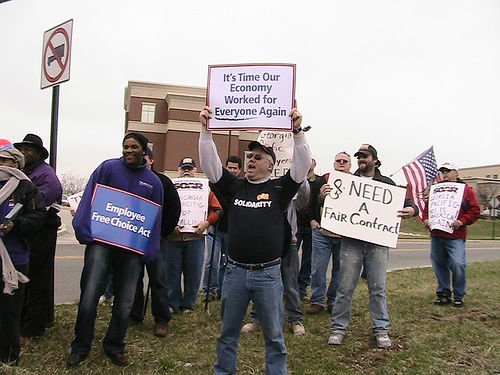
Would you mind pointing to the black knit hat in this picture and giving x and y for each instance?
(143, 141)
(33, 140)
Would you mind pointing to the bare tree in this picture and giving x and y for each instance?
(72, 184)
(486, 191)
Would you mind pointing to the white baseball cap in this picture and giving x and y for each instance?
(448, 165)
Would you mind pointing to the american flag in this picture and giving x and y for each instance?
(419, 173)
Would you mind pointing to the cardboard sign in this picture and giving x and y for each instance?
(74, 200)
(193, 193)
(282, 145)
(255, 96)
(122, 219)
(364, 209)
(445, 199)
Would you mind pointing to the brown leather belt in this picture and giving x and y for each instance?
(254, 267)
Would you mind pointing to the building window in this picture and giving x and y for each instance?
(495, 176)
(488, 176)
(148, 113)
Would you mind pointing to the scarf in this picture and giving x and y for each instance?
(10, 275)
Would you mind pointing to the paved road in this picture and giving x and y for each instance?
(408, 254)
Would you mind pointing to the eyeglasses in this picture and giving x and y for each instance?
(256, 157)
(341, 161)
(444, 171)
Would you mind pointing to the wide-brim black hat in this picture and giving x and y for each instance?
(33, 140)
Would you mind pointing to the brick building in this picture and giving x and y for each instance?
(168, 116)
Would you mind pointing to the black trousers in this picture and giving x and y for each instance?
(10, 320)
(38, 309)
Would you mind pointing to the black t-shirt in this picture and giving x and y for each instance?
(255, 217)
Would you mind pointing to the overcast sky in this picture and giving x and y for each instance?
(401, 75)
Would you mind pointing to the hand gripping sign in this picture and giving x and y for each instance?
(363, 209)
(122, 219)
(445, 199)
(251, 97)
(193, 193)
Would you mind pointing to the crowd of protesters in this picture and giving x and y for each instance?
(253, 233)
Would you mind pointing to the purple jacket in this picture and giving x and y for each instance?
(45, 179)
(135, 179)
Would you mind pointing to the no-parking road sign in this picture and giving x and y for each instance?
(56, 54)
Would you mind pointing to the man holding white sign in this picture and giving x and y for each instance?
(129, 184)
(325, 244)
(257, 229)
(356, 253)
(451, 206)
(186, 244)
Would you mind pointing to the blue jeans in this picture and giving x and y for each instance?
(304, 238)
(184, 258)
(214, 275)
(289, 270)
(355, 254)
(323, 248)
(265, 289)
(448, 255)
(98, 262)
(159, 291)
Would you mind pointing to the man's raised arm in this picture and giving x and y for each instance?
(209, 159)
(301, 160)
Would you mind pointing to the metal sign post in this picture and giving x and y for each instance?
(56, 57)
(54, 120)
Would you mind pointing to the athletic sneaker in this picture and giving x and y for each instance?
(250, 326)
(442, 300)
(298, 329)
(383, 341)
(335, 338)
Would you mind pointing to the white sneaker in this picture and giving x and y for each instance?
(335, 339)
(105, 300)
(250, 326)
(298, 329)
(383, 341)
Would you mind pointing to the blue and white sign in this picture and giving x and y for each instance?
(122, 219)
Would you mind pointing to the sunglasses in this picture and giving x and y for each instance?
(341, 161)
(256, 157)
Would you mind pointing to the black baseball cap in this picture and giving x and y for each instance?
(187, 162)
(365, 150)
(268, 150)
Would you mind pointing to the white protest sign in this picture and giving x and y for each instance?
(282, 145)
(254, 96)
(364, 209)
(193, 193)
(74, 200)
(445, 199)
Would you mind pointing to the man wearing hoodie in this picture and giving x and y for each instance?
(130, 174)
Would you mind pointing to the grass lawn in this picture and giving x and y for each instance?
(427, 339)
